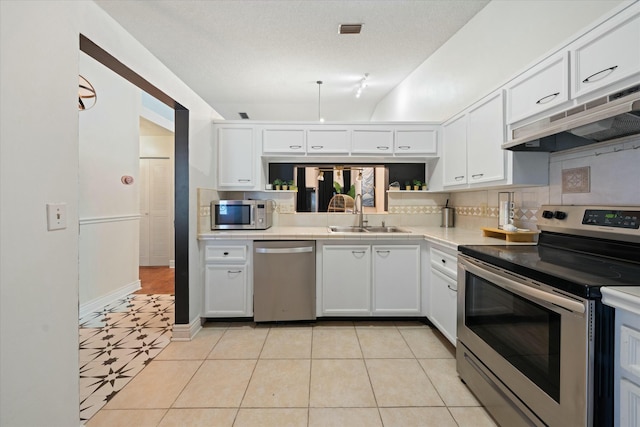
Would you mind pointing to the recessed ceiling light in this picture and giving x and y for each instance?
(350, 28)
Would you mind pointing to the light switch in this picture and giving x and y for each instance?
(56, 216)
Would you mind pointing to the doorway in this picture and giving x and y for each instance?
(181, 171)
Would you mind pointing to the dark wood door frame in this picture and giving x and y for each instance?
(181, 156)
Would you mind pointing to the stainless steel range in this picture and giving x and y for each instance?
(535, 343)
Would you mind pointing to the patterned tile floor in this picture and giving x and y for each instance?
(117, 342)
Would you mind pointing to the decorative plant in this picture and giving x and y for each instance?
(292, 185)
(407, 185)
(337, 187)
(277, 183)
(416, 184)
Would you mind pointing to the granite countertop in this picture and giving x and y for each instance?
(448, 237)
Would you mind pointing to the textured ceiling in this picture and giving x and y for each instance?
(264, 57)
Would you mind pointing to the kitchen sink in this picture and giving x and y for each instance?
(355, 229)
(346, 229)
(386, 229)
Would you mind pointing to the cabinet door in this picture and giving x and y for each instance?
(454, 151)
(283, 141)
(538, 89)
(379, 141)
(485, 136)
(396, 280)
(226, 292)
(327, 141)
(235, 158)
(346, 280)
(608, 54)
(418, 141)
(443, 304)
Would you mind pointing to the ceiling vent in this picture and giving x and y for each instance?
(244, 115)
(350, 28)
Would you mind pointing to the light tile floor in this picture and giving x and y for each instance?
(311, 375)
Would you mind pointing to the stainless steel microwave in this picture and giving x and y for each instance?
(241, 214)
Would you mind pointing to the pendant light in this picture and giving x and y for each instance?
(320, 118)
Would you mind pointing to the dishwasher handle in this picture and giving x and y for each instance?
(299, 250)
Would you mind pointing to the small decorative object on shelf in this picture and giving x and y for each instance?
(292, 185)
(417, 184)
(407, 185)
(277, 184)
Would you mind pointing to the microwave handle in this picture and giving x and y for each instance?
(519, 288)
(252, 214)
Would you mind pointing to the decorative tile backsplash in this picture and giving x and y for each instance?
(576, 180)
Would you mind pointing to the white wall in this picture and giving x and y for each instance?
(39, 158)
(503, 39)
(108, 209)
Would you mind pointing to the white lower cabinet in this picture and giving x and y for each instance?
(366, 280)
(396, 280)
(444, 292)
(228, 290)
(346, 280)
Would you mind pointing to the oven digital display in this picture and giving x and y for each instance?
(609, 218)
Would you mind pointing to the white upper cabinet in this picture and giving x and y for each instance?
(236, 154)
(284, 141)
(538, 89)
(454, 151)
(485, 136)
(328, 140)
(607, 55)
(377, 141)
(412, 141)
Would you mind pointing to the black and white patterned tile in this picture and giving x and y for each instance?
(117, 342)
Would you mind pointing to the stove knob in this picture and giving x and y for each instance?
(547, 214)
(559, 215)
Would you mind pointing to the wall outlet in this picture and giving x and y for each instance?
(56, 216)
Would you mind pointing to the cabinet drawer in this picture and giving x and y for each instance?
(226, 253)
(446, 263)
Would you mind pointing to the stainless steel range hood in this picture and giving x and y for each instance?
(604, 119)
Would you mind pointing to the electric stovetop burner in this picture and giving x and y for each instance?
(581, 248)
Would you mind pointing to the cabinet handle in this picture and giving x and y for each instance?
(547, 98)
(444, 261)
(459, 178)
(383, 252)
(608, 71)
(295, 147)
(404, 147)
(225, 253)
(478, 175)
(317, 147)
(382, 147)
(234, 271)
(452, 289)
(244, 180)
(358, 252)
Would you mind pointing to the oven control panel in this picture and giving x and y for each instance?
(612, 218)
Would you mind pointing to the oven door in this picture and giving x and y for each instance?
(532, 339)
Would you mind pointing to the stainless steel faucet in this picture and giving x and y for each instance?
(360, 211)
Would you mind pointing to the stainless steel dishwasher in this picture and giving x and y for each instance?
(284, 280)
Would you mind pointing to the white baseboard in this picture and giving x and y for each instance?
(100, 302)
(185, 332)
(172, 263)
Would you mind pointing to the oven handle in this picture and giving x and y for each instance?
(519, 288)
